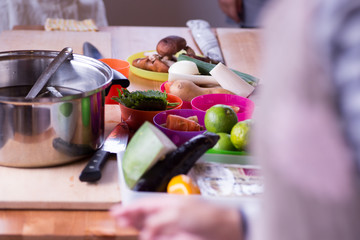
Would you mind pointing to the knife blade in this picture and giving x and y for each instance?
(116, 142)
(118, 78)
(205, 39)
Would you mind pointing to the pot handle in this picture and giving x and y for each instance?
(118, 79)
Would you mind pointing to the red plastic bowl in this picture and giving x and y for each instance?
(204, 102)
(135, 118)
(179, 137)
(186, 104)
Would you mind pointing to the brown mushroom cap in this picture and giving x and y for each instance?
(170, 45)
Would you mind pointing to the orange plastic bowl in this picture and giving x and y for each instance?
(135, 118)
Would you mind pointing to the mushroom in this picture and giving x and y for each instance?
(170, 45)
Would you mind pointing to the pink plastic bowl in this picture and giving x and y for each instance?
(186, 104)
(204, 102)
(179, 137)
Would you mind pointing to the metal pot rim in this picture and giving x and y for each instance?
(104, 68)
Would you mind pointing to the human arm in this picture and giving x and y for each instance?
(246, 13)
(180, 218)
(310, 187)
(232, 8)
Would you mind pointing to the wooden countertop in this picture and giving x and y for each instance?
(241, 50)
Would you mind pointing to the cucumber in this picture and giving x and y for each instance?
(179, 161)
(205, 68)
(145, 148)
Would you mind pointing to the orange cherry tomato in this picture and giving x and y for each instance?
(182, 184)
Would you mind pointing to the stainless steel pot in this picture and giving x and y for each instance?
(49, 130)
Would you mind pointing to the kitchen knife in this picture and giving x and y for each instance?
(205, 39)
(118, 78)
(115, 143)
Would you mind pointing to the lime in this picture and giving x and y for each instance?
(220, 118)
(240, 133)
(224, 143)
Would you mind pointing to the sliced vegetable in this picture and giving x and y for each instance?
(176, 162)
(194, 118)
(145, 148)
(179, 123)
(205, 68)
(231, 81)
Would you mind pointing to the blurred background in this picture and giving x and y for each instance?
(164, 12)
(112, 12)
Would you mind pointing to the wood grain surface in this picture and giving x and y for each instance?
(241, 51)
(55, 224)
(56, 40)
(59, 187)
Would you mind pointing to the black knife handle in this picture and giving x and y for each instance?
(92, 171)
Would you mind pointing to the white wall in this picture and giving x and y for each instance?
(164, 12)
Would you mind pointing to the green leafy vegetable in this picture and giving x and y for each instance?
(149, 100)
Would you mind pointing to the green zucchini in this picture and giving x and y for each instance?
(205, 68)
(179, 161)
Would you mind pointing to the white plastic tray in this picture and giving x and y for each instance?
(128, 195)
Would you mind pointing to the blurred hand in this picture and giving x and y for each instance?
(232, 8)
(179, 218)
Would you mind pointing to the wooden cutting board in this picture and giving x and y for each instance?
(55, 40)
(246, 43)
(59, 187)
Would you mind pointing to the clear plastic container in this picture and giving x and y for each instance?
(128, 195)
